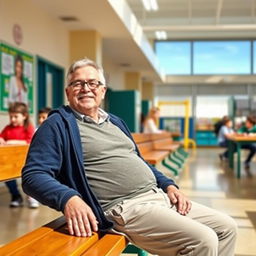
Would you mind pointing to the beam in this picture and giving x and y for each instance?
(218, 12)
(237, 27)
(253, 10)
(190, 11)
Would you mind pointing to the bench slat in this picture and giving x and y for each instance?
(155, 157)
(12, 159)
(51, 239)
(109, 245)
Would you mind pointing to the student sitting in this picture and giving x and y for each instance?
(19, 131)
(249, 127)
(225, 131)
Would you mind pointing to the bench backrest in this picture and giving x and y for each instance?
(12, 159)
(151, 141)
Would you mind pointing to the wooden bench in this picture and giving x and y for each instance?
(53, 239)
(146, 148)
(164, 141)
(12, 159)
(157, 147)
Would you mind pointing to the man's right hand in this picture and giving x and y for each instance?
(80, 218)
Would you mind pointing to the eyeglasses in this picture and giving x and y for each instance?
(91, 84)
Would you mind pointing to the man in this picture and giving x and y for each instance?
(249, 127)
(84, 162)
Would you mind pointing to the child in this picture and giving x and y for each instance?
(224, 132)
(249, 127)
(43, 114)
(150, 123)
(19, 131)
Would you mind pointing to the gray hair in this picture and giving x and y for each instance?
(83, 63)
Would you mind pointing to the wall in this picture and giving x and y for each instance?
(114, 74)
(42, 35)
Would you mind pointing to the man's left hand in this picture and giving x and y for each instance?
(177, 198)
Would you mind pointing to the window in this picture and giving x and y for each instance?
(174, 57)
(207, 57)
(222, 57)
(254, 57)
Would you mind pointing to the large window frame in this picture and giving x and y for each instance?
(251, 59)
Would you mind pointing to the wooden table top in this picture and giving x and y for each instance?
(242, 138)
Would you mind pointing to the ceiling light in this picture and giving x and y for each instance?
(154, 5)
(150, 5)
(161, 35)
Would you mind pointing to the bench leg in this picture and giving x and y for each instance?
(183, 152)
(133, 249)
(179, 156)
(172, 159)
(172, 169)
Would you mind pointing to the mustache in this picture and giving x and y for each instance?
(82, 95)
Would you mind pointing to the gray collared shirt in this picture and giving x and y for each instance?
(103, 116)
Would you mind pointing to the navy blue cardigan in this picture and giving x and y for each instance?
(54, 170)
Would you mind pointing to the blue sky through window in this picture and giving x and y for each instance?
(209, 57)
(174, 57)
(254, 57)
(222, 57)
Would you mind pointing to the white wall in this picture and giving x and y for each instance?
(43, 35)
(114, 74)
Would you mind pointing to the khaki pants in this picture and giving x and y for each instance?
(150, 222)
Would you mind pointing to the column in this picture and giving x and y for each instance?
(85, 43)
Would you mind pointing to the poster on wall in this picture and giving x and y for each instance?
(16, 77)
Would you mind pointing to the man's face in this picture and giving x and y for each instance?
(85, 100)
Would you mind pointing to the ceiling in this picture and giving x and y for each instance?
(198, 18)
(181, 19)
(118, 43)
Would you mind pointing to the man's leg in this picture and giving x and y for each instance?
(223, 225)
(150, 223)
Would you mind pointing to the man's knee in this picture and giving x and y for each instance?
(209, 241)
(204, 243)
(230, 228)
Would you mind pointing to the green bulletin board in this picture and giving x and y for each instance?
(8, 55)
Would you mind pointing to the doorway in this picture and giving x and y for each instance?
(50, 81)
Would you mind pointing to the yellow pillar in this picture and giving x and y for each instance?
(85, 43)
(133, 81)
(147, 91)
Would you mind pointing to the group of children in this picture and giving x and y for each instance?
(223, 129)
(226, 130)
(20, 130)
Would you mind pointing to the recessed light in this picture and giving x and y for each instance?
(69, 18)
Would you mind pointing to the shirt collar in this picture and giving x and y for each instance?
(103, 116)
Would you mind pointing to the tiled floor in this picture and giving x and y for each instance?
(204, 179)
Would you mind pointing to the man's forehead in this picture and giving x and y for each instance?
(86, 70)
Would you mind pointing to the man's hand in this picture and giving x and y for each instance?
(79, 216)
(182, 203)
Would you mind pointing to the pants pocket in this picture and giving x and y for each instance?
(116, 214)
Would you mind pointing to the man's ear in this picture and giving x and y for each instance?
(66, 91)
(104, 92)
